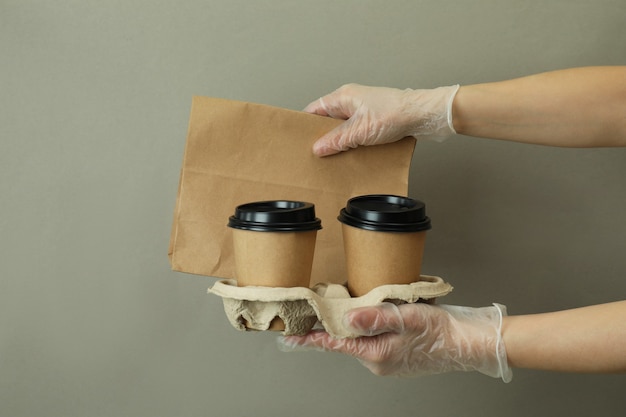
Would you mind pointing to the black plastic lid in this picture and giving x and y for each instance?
(275, 216)
(385, 213)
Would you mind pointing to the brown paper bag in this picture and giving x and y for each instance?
(240, 152)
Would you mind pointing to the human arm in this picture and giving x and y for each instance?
(421, 339)
(579, 107)
(588, 339)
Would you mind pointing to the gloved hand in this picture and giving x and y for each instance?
(377, 115)
(418, 339)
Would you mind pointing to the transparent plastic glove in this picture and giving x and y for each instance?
(418, 339)
(378, 115)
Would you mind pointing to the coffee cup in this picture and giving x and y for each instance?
(384, 238)
(274, 243)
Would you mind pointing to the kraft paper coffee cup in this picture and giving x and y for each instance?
(384, 239)
(274, 243)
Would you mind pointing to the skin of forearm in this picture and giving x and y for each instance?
(579, 107)
(588, 339)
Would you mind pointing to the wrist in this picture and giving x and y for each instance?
(431, 111)
(505, 371)
(480, 339)
(458, 118)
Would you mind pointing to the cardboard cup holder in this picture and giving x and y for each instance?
(274, 244)
(300, 309)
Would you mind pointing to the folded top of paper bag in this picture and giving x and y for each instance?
(238, 152)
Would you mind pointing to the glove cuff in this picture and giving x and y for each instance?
(505, 370)
(435, 107)
(455, 89)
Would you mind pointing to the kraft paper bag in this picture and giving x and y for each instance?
(239, 152)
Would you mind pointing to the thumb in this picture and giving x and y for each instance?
(371, 321)
(346, 136)
(332, 143)
(326, 146)
(317, 107)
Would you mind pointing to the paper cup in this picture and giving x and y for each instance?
(384, 239)
(274, 243)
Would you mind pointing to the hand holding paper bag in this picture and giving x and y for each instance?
(379, 115)
(237, 152)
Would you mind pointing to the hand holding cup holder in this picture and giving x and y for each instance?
(274, 244)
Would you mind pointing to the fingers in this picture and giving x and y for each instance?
(383, 327)
(365, 321)
(337, 105)
(317, 107)
(323, 148)
(321, 341)
(371, 352)
(333, 142)
(315, 340)
(371, 321)
(357, 130)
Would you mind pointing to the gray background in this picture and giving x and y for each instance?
(94, 104)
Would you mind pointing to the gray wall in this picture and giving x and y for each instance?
(94, 103)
